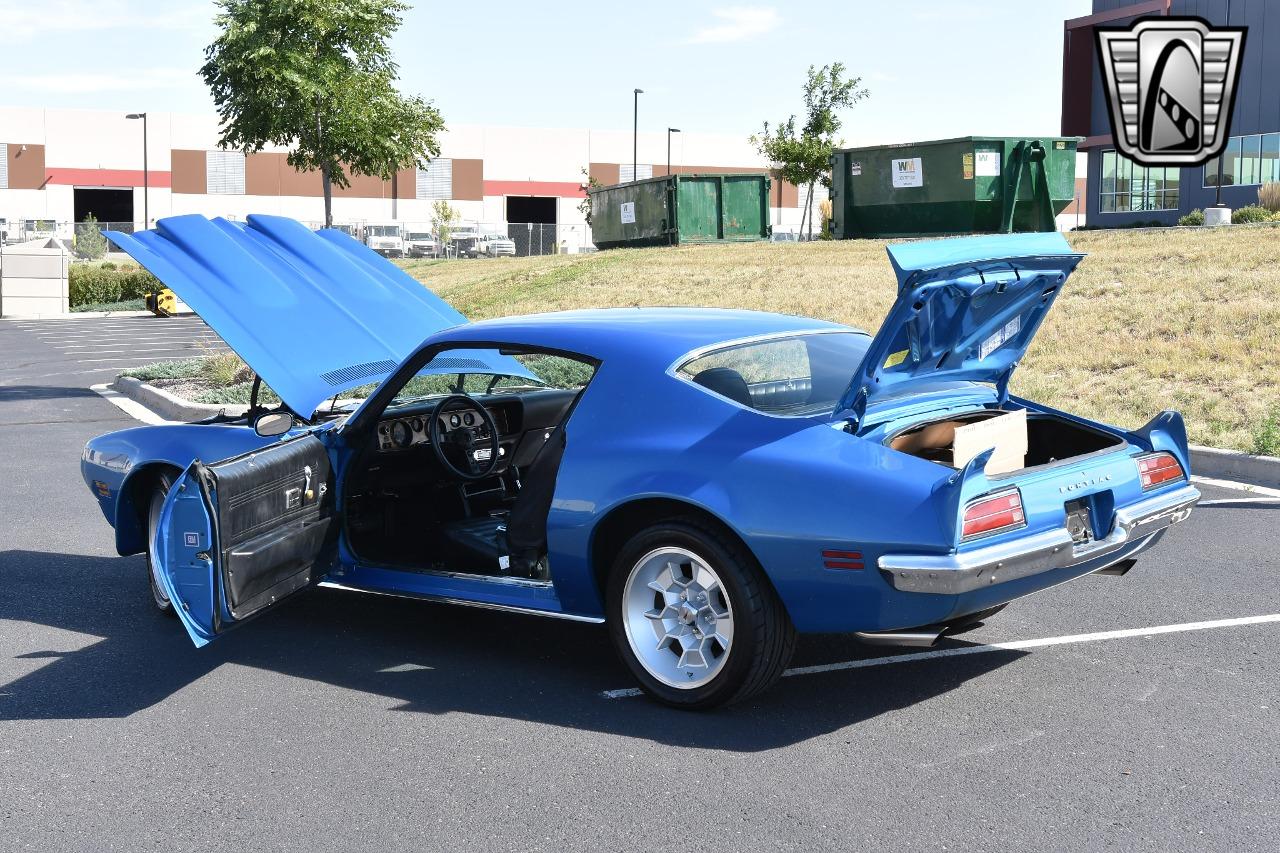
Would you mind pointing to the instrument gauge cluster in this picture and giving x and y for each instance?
(411, 430)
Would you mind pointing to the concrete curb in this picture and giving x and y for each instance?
(1235, 465)
(169, 406)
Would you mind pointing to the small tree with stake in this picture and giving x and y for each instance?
(443, 217)
(316, 77)
(802, 157)
(90, 242)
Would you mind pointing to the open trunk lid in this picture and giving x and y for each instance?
(967, 309)
(314, 313)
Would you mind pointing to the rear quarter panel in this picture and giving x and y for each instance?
(789, 487)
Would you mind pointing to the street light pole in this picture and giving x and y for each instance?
(670, 130)
(146, 173)
(635, 133)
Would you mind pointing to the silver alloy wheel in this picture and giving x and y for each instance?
(157, 587)
(677, 617)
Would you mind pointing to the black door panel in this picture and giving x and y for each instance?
(274, 509)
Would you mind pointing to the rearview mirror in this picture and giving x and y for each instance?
(272, 424)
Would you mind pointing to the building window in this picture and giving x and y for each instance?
(820, 194)
(436, 181)
(1128, 187)
(1246, 161)
(642, 173)
(224, 172)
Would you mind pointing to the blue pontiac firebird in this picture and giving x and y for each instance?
(706, 483)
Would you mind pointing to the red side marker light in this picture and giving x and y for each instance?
(842, 559)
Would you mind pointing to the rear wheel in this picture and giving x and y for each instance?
(693, 617)
(158, 596)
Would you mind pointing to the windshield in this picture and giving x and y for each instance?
(384, 230)
(418, 237)
(549, 372)
(796, 375)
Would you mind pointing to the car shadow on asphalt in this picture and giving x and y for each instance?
(11, 393)
(425, 658)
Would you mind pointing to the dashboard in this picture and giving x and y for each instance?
(525, 421)
(404, 432)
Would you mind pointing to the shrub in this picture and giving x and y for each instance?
(1266, 438)
(188, 369)
(1249, 215)
(1269, 196)
(221, 370)
(97, 283)
(1195, 217)
(238, 394)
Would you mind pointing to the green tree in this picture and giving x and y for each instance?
(802, 155)
(316, 77)
(90, 243)
(584, 206)
(443, 216)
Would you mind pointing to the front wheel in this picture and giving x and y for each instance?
(158, 596)
(693, 617)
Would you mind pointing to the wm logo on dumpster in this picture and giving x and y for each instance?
(1170, 84)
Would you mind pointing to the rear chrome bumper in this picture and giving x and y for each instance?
(953, 574)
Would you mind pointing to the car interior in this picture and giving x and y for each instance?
(462, 482)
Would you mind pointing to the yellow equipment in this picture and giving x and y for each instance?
(166, 303)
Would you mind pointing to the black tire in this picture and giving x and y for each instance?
(155, 502)
(763, 639)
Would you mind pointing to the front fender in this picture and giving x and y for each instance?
(119, 467)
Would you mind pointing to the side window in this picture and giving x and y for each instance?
(801, 375)
(558, 371)
(769, 362)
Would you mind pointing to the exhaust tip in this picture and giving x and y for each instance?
(1118, 569)
(918, 637)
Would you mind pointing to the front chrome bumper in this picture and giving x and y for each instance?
(953, 574)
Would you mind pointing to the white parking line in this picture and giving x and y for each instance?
(1239, 487)
(1016, 645)
(172, 347)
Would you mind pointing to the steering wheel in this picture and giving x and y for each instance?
(457, 448)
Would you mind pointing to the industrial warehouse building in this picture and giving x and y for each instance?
(59, 166)
(1121, 192)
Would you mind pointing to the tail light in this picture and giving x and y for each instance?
(993, 514)
(1157, 469)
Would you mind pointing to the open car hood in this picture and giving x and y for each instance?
(314, 313)
(966, 310)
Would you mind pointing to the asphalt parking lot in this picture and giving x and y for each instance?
(348, 722)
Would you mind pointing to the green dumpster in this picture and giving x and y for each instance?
(974, 184)
(681, 209)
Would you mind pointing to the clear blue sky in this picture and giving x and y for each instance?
(935, 68)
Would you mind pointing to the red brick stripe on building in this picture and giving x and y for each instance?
(106, 177)
(561, 189)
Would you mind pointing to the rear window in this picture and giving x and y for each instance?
(799, 375)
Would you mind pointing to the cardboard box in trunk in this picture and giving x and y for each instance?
(1006, 433)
